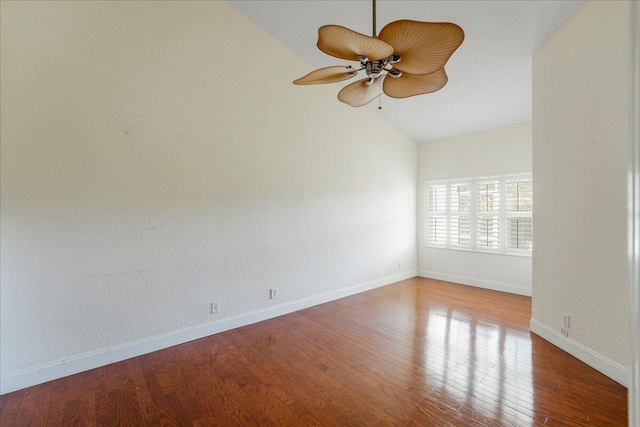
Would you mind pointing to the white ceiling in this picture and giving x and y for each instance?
(489, 75)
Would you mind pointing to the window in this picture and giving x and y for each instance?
(519, 219)
(460, 214)
(437, 214)
(488, 214)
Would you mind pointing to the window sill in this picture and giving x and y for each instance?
(476, 251)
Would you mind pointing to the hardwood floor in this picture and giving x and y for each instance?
(415, 353)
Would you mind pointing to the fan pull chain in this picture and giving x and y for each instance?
(380, 95)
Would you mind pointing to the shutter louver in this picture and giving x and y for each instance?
(438, 198)
(488, 214)
(437, 230)
(519, 216)
(437, 214)
(519, 232)
(460, 225)
(461, 231)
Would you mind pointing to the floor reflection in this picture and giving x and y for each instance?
(418, 353)
(478, 365)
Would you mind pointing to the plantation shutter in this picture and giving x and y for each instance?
(460, 214)
(483, 214)
(488, 214)
(519, 213)
(437, 214)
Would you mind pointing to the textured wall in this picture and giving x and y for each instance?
(156, 158)
(580, 131)
(496, 151)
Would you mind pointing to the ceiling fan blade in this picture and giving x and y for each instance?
(327, 75)
(414, 84)
(344, 43)
(358, 94)
(424, 47)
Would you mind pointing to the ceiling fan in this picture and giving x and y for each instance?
(406, 59)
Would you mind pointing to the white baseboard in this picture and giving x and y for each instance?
(95, 359)
(598, 362)
(478, 283)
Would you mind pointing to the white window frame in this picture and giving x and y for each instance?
(502, 214)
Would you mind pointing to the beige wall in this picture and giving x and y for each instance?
(496, 151)
(580, 131)
(156, 158)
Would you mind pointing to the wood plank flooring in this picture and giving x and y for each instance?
(416, 353)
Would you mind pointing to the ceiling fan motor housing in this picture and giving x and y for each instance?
(375, 68)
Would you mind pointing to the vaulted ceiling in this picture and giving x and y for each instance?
(489, 75)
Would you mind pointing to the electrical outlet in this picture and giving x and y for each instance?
(273, 293)
(214, 308)
(566, 320)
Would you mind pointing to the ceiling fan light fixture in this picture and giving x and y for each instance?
(374, 68)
